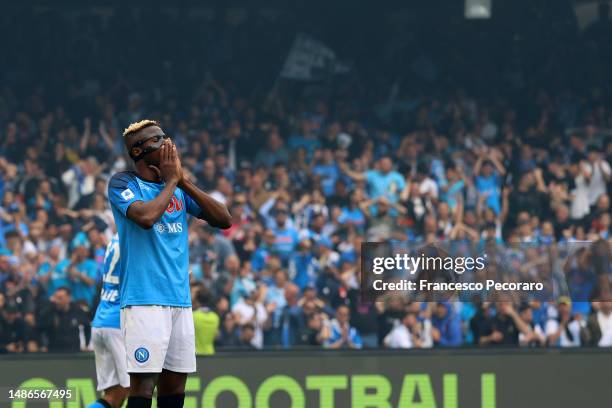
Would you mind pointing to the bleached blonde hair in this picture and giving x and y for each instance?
(138, 126)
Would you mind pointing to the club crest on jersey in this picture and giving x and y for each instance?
(127, 194)
(174, 205)
(141, 354)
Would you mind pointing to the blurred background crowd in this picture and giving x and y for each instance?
(489, 130)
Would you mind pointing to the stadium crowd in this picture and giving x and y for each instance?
(306, 188)
(307, 181)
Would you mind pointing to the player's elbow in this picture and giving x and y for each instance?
(145, 225)
(144, 222)
(141, 216)
(223, 223)
(226, 222)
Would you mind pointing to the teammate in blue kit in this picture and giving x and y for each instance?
(106, 337)
(150, 207)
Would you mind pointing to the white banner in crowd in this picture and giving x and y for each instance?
(310, 59)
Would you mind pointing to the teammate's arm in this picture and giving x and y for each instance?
(146, 213)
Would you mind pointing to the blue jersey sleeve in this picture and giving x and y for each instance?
(123, 190)
(192, 207)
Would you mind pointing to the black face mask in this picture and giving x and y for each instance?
(149, 149)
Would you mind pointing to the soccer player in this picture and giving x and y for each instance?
(111, 368)
(150, 207)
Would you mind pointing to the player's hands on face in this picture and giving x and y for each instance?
(170, 170)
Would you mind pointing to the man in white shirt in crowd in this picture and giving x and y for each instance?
(599, 326)
(250, 309)
(536, 337)
(598, 174)
(410, 333)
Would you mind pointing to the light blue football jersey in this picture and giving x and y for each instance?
(154, 263)
(107, 313)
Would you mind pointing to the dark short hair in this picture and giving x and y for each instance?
(11, 234)
(343, 306)
(408, 313)
(247, 326)
(592, 148)
(203, 296)
(423, 168)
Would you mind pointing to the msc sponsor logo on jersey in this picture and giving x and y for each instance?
(174, 205)
(171, 227)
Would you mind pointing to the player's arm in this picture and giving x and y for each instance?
(213, 212)
(146, 213)
(125, 195)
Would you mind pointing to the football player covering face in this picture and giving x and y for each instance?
(150, 207)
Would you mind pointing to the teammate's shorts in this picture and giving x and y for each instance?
(111, 368)
(158, 337)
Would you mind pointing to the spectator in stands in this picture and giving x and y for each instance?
(599, 325)
(212, 246)
(536, 338)
(341, 334)
(205, 320)
(410, 333)
(276, 299)
(309, 175)
(446, 323)
(82, 273)
(285, 236)
(15, 335)
(509, 324)
(389, 312)
(564, 330)
(229, 332)
(364, 317)
(308, 325)
(68, 323)
(382, 182)
(598, 174)
(489, 170)
(250, 309)
(246, 339)
(243, 284)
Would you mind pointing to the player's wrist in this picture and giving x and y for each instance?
(173, 181)
(184, 181)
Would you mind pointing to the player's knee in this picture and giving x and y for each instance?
(171, 383)
(142, 385)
